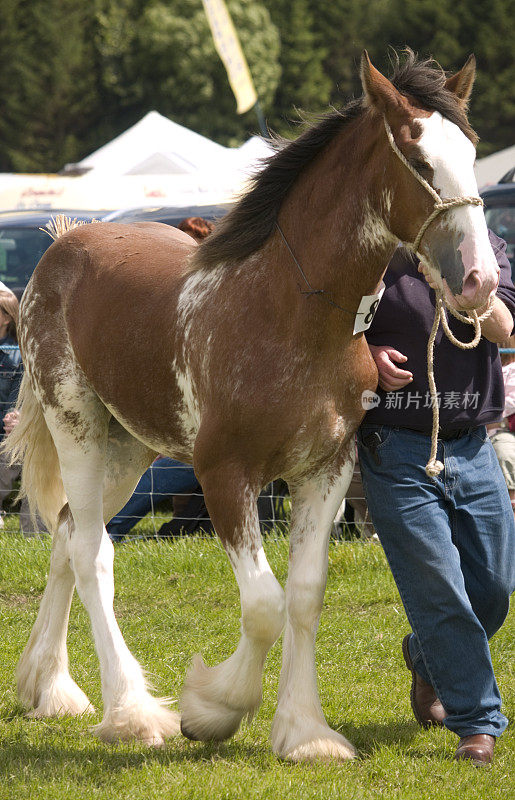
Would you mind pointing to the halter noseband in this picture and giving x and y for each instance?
(440, 205)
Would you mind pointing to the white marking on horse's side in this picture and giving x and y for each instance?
(373, 231)
(387, 199)
(189, 413)
(198, 287)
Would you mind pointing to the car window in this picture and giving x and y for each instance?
(20, 251)
(501, 220)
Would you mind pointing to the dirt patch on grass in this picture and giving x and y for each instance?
(17, 600)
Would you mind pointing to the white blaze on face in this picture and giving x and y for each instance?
(451, 155)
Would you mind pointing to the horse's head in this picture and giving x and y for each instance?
(439, 148)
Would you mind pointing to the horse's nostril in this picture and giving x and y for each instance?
(471, 284)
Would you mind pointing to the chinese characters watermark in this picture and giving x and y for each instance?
(450, 400)
(397, 401)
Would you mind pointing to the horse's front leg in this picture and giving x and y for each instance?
(300, 731)
(216, 699)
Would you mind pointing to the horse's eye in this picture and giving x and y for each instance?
(421, 166)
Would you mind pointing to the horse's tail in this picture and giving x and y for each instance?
(30, 444)
(61, 224)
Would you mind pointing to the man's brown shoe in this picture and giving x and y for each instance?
(426, 706)
(478, 748)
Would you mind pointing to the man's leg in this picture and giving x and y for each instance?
(133, 511)
(412, 516)
(164, 478)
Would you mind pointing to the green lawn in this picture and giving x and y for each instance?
(176, 599)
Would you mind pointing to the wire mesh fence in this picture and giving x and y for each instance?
(157, 510)
(168, 501)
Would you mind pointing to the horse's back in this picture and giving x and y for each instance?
(107, 275)
(148, 250)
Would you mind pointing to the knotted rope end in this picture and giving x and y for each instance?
(433, 468)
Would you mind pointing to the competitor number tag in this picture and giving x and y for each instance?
(367, 309)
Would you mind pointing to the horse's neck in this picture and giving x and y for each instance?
(334, 221)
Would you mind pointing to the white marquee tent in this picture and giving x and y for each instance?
(155, 162)
(490, 169)
(155, 145)
(110, 193)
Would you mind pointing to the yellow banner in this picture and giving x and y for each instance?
(229, 49)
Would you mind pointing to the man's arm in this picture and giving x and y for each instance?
(497, 328)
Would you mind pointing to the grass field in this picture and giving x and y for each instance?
(176, 599)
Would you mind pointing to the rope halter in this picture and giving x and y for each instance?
(440, 205)
(434, 467)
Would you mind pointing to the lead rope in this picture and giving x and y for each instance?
(434, 467)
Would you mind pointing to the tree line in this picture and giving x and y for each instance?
(73, 74)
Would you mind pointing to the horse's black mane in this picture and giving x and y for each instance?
(246, 228)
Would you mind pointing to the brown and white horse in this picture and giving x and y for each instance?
(237, 356)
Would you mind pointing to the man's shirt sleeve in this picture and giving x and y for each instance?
(506, 289)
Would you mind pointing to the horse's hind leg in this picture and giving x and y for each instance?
(43, 680)
(129, 710)
(215, 699)
(300, 731)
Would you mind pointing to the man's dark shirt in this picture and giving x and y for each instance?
(469, 382)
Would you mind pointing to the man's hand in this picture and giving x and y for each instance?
(391, 377)
(430, 280)
(448, 295)
(11, 419)
(424, 269)
(496, 328)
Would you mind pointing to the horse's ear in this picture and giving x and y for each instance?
(378, 90)
(462, 82)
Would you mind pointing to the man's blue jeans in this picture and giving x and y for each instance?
(450, 543)
(165, 477)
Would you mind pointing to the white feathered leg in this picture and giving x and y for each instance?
(214, 700)
(300, 731)
(130, 711)
(44, 682)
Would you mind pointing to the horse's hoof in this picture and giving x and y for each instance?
(329, 749)
(188, 734)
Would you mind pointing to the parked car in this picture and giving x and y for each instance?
(170, 215)
(23, 238)
(23, 241)
(499, 203)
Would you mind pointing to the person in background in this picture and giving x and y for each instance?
(449, 539)
(11, 371)
(502, 434)
(197, 227)
(164, 479)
